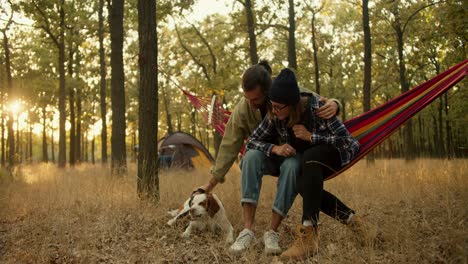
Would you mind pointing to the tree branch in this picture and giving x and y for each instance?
(197, 61)
(213, 57)
(46, 27)
(416, 12)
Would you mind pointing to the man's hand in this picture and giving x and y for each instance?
(301, 132)
(328, 110)
(284, 150)
(209, 186)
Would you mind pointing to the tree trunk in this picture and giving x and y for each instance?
(61, 67)
(292, 61)
(93, 161)
(179, 121)
(83, 150)
(45, 155)
(2, 119)
(3, 161)
(170, 130)
(71, 102)
(440, 139)
(315, 51)
(85, 146)
(448, 128)
(251, 32)
(367, 56)
(79, 113)
(408, 128)
(193, 120)
(367, 64)
(118, 151)
(11, 135)
(52, 144)
(148, 180)
(30, 143)
(134, 143)
(102, 84)
(19, 147)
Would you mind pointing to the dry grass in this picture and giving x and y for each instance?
(83, 215)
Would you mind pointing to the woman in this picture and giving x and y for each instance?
(326, 146)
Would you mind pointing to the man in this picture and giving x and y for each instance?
(247, 115)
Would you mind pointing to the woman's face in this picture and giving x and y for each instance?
(281, 111)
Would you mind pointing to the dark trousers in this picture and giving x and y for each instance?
(319, 162)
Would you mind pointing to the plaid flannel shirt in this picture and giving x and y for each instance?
(331, 131)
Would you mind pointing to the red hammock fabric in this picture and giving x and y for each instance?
(370, 128)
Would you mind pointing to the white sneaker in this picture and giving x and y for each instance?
(243, 241)
(270, 239)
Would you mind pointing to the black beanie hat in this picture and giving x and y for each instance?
(284, 89)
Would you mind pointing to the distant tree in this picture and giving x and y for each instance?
(292, 59)
(315, 11)
(45, 15)
(102, 83)
(249, 14)
(9, 83)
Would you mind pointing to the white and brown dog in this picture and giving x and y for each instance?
(205, 210)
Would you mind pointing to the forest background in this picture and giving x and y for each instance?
(59, 88)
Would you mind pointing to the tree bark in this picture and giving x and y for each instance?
(61, 66)
(367, 64)
(79, 111)
(11, 135)
(45, 155)
(3, 160)
(170, 130)
(148, 180)
(79, 114)
(408, 128)
(367, 56)
(102, 83)
(448, 129)
(52, 144)
(440, 140)
(93, 161)
(71, 102)
(315, 51)
(118, 151)
(30, 143)
(251, 31)
(292, 61)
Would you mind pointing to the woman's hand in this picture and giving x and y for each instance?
(284, 150)
(301, 132)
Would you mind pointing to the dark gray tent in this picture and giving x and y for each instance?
(181, 150)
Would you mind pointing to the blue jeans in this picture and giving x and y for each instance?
(255, 164)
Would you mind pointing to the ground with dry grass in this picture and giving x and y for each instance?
(83, 215)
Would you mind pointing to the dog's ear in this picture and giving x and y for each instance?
(212, 206)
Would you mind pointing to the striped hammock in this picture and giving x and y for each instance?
(372, 127)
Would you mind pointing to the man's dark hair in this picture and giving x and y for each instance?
(257, 75)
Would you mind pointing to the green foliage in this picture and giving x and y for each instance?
(434, 38)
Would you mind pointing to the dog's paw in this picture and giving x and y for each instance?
(185, 235)
(229, 238)
(173, 213)
(171, 222)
